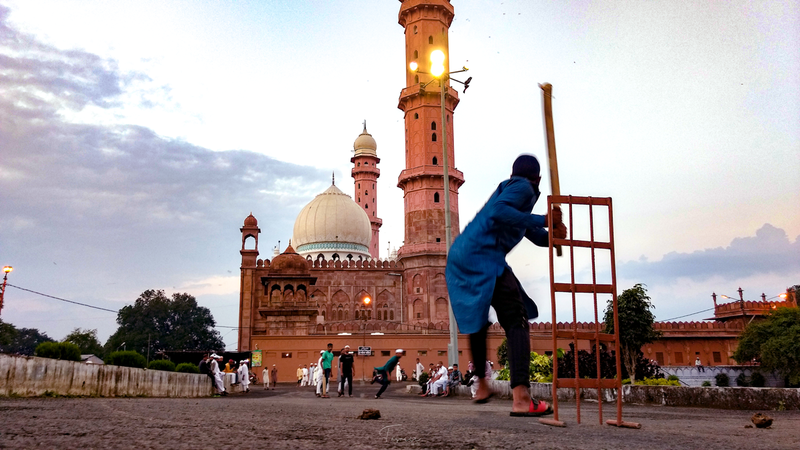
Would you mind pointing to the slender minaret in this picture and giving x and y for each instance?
(365, 175)
(426, 26)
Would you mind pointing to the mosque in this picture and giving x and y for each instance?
(329, 284)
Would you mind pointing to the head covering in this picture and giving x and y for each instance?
(214, 355)
(346, 346)
(399, 350)
(526, 166)
(321, 352)
(450, 368)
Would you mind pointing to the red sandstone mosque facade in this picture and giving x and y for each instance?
(314, 291)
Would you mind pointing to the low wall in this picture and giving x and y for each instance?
(29, 376)
(707, 397)
(692, 376)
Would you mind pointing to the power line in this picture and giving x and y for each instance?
(63, 299)
(687, 315)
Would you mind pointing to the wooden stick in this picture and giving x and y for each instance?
(555, 189)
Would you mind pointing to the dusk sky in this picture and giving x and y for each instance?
(135, 137)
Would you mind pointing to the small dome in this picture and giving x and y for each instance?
(289, 262)
(365, 144)
(330, 223)
(250, 221)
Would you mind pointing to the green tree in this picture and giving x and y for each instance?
(635, 324)
(87, 341)
(502, 353)
(774, 342)
(176, 323)
(22, 341)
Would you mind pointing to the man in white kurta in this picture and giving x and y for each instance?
(265, 377)
(319, 374)
(438, 386)
(244, 376)
(217, 374)
(397, 374)
(420, 368)
(305, 377)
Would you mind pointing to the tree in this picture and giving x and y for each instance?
(774, 342)
(87, 341)
(635, 325)
(165, 324)
(22, 341)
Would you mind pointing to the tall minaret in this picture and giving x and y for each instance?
(426, 24)
(365, 173)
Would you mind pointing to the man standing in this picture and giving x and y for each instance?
(419, 369)
(273, 376)
(346, 366)
(478, 278)
(299, 374)
(305, 376)
(265, 377)
(244, 375)
(384, 370)
(214, 369)
(327, 362)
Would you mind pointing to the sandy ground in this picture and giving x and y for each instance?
(294, 418)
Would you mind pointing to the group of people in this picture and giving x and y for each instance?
(210, 366)
(318, 373)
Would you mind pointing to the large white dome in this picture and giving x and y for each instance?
(332, 224)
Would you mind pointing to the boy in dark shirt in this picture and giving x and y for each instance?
(346, 371)
(386, 368)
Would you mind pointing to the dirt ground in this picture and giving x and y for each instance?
(294, 418)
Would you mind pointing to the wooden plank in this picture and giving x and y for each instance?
(585, 335)
(587, 383)
(584, 288)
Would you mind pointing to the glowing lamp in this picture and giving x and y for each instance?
(437, 63)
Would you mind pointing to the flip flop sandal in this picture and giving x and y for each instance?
(484, 400)
(537, 408)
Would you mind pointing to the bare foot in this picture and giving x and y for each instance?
(483, 391)
(522, 399)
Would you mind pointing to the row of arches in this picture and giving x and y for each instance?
(286, 293)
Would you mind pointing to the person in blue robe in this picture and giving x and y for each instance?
(478, 277)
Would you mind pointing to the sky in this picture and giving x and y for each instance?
(135, 137)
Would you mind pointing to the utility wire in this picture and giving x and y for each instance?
(63, 299)
(687, 315)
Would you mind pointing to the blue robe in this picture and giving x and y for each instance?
(478, 255)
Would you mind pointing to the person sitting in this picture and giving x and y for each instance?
(455, 379)
(440, 380)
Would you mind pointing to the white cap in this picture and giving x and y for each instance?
(399, 350)
(321, 352)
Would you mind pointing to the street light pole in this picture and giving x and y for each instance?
(6, 271)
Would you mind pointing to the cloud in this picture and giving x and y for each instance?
(99, 212)
(770, 251)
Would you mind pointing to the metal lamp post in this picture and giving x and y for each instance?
(439, 72)
(6, 271)
(366, 300)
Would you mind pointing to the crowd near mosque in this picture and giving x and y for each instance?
(441, 380)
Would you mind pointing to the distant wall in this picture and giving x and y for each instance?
(30, 376)
(692, 376)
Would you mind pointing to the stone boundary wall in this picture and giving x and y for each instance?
(707, 397)
(693, 377)
(31, 376)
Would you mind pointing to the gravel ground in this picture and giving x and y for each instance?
(292, 418)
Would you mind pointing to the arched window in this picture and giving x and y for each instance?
(433, 126)
(433, 138)
(430, 39)
(415, 29)
(366, 206)
(435, 161)
(366, 192)
(435, 197)
(335, 257)
(416, 80)
(350, 257)
(340, 315)
(416, 54)
(416, 116)
(391, 315)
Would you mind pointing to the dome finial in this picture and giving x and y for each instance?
(365, 125)
(333, 178)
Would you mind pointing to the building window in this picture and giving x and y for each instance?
(433, 125)
(366, 192)
(359, 185)
(430, 39)
(438, 239)
(384, 352)
(441, 353)
(660, 358)
(422, 353)
(416, 116)
(391, 315)
(435, 161)
(366, 206)
(415, 29)
(286, 355)
(335, 257)
(433, 138)
(416, 54)
(435, 197)
(717, 357)
(678, 357)
(416, 81)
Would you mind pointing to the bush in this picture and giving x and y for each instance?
(741, 380)
(187, 368)
(127, 358)
(673, 378)
(757, 380)
(658, 382)
(162, 364)
(423, 379)
(503, 374)
(722, 380)
(58, 350)
(706, 384)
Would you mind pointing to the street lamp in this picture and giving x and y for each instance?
(439, 72)
(6, 271)
(366, 301)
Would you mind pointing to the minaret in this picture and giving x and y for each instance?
(426, 24)
(365, 173)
